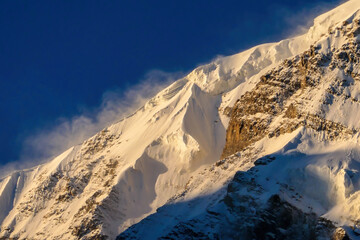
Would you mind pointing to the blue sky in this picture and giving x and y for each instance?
(58, 58)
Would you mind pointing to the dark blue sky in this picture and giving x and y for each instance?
(57, 58)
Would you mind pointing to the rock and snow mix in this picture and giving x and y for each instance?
(283, 119)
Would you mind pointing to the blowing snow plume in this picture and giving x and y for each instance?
(295, 98)
(299, 22)
(115, 105)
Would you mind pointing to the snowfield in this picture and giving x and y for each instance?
(311, 174)
(160, 172)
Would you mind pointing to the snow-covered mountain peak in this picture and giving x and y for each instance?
(330, 20)
(296, 101)
(225, 73)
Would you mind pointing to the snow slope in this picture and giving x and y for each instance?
(310, 104)
(307, 172)
(174, 134)
(125, 172)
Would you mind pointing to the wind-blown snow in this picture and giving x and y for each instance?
(128, 170)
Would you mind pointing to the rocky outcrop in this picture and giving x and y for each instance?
(292, 141)
(281, 93)
(340, 234)
(241, 214)
(164, 159)
(281, 220)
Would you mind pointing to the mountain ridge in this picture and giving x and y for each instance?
(168, 151)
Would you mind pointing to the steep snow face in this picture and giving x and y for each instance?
(167, 149)
(309, 174)
(120, 174)
(226, 73)
(299, 126)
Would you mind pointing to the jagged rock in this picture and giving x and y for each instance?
(294, 97)
(340, 234)
(253, 114)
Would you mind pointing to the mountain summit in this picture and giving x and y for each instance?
(263, 144)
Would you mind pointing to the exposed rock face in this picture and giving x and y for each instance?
(292, 144)
(240, 214)
(118, 176)
(340, 234)
(281, 94)
(62, 189)
(279, 220)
